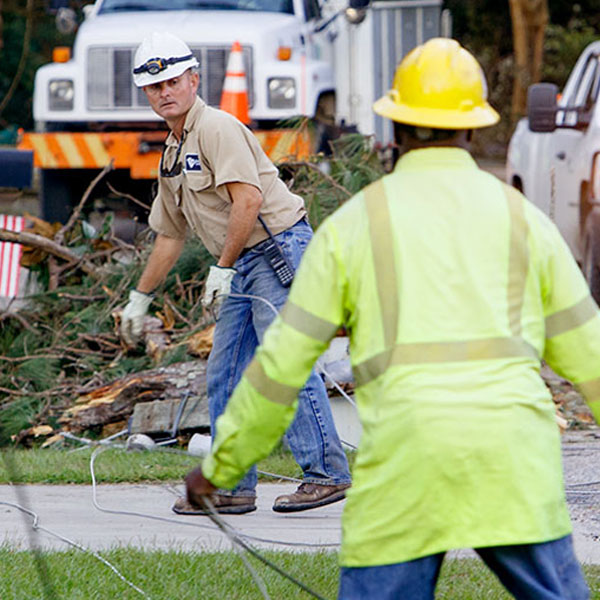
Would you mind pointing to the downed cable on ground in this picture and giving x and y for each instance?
(253, 538)
(235, 539)
(37, 527)
(234, 536)
(38, 560)
(108, 442)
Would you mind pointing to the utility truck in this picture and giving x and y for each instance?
(554, 158)
(327, 61)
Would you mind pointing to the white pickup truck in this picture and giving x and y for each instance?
(554, 158)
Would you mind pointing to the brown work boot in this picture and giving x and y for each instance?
(310, 495)
(226, 505)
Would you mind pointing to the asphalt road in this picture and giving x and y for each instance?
(69, 512)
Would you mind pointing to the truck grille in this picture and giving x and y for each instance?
(110, 82)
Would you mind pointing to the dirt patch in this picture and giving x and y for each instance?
(571, 405)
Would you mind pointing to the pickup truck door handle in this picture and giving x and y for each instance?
(561, 155)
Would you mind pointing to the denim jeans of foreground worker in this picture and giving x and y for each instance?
(547, 571)
(242, 322)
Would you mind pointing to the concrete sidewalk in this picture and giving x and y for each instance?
(68, 511)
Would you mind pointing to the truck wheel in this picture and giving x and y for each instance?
(591, 256)
(61, 190)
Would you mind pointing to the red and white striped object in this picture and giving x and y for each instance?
(10, 257)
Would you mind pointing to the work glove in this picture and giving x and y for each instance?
(217, 287)
(132, 317)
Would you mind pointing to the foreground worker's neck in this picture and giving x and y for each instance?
(461, 140)
(176, 125)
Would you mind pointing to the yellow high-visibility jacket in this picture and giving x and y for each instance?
(453, 288)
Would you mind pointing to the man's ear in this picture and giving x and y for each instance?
(195, 79)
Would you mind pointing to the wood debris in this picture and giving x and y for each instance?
(200, 344)
(117, 400)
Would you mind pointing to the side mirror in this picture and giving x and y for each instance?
(66, 21)
(541, 107)
(357, 11)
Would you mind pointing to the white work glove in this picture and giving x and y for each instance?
(132, 317)
(217, 287)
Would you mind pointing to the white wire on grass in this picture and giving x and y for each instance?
(37, 527)
(39, 561)
(234, 536)
(160, 446)
(108, 441)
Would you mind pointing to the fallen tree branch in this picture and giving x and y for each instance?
(128, 197)
(325, 176)
(10, 392)
(49, 246)
(76, 297)
(173, 307)
(18, 317)
(60, 235)
(19, 359)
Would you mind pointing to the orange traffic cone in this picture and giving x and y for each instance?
(234, 98)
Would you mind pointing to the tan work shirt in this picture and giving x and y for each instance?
(217, 149)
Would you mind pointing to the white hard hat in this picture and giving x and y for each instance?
(159, 57)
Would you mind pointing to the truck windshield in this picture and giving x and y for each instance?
(279, 6)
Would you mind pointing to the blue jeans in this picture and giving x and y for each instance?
(242, 322)
(546, 571)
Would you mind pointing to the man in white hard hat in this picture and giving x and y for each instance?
(216, 180)
(453, 288)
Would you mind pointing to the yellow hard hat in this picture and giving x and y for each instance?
(441, 85)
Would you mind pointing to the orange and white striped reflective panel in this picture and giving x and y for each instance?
(10, 257)
(96, 150)
(67, 150)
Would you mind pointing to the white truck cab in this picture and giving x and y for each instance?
(554, 158)
(287, 58)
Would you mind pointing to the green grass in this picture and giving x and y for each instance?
(173, 575)
(116, 466)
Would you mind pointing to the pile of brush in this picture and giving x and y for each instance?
(64, 346)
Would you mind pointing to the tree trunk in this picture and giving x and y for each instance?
(529, 20)
(1, 28)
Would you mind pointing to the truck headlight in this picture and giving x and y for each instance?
(282, 92)
(60, 94)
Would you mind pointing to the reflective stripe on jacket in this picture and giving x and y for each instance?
(452, 288)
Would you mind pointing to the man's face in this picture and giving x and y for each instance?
(171, 99)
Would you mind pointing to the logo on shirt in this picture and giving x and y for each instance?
(192, 163)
